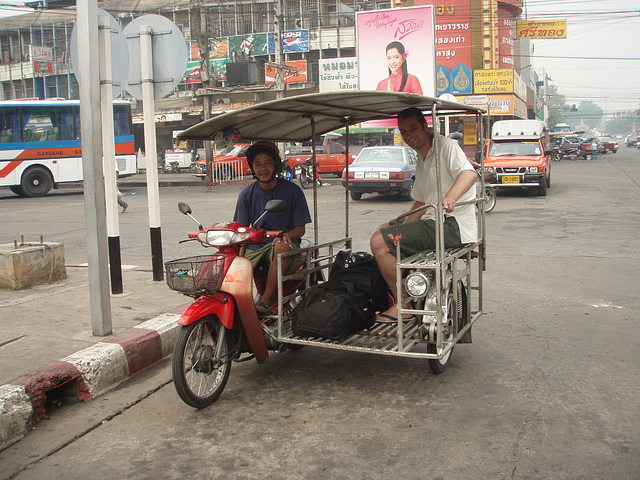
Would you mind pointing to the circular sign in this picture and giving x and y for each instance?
(42, 66)
(168, 50)
(119, 54)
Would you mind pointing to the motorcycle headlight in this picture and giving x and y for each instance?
(417, 284)
(219, 238)
(533, 169)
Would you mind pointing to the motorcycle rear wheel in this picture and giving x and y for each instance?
(200, 377)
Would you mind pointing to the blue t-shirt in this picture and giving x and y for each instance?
(253, 198)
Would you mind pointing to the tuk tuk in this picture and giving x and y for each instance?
(444, 286)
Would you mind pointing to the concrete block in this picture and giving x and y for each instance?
(27, 265)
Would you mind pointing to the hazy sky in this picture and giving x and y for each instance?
(600, 56)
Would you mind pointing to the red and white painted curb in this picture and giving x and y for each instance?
(87, 373)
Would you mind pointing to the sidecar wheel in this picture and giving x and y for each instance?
(198, 376)
(454, 308)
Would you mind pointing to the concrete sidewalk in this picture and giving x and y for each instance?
(48, 354)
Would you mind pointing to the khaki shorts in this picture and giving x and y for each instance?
(264, 256)
(421, 235)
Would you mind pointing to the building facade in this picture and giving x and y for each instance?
(479, 60)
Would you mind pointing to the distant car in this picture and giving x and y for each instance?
(631, 141)
(386, 170)
(586, 147)
(570, 144)
(610, 144)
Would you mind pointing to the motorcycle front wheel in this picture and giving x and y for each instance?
(202, 361)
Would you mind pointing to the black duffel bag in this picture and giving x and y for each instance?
(346, 303)
(361, 269)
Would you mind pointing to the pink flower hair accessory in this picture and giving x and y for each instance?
(405, 54)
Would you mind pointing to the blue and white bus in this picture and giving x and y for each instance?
(40, 144)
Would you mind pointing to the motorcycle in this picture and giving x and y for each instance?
(304, 172)
(556, 153)
(222, 322)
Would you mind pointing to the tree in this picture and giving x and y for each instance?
(557, 104)
(623, 124)
(588, 113)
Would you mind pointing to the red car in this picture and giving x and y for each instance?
(610, 144)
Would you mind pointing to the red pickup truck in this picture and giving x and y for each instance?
(232, 162)
(331, 158)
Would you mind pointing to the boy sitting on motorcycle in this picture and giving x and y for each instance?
(265, 163)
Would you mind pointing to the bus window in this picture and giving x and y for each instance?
(121, 120)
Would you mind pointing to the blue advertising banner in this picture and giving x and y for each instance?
(293, 41)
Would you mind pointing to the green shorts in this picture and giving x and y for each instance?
(421, 235)
(263, 257)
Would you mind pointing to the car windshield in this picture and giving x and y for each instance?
(231, 151)
(380, 155)
(512, 149)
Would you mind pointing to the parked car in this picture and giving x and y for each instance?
(570, 144)
(631, 141)
(386, 170)
(231, 163)
(610, 144)
(586, 147)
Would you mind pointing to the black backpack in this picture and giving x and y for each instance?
(346, 303)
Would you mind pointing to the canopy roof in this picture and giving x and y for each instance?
(287, 119)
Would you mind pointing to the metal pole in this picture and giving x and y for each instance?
(313, 179)
(148, 111)
(346, 227)
(93, 180)
(109, 152)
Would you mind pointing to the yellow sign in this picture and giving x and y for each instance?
(542, 28)
(469, 133)
(493, 81)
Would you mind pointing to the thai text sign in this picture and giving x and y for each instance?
(556, 28)
(493, 81)
(338, 74)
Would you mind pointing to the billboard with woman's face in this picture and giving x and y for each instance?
(396, 50)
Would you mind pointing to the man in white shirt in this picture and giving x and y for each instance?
(457, 177)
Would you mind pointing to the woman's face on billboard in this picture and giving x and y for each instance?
(394, 60)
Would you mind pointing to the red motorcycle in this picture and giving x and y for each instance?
(222, 322)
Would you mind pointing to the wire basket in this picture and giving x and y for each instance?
(201, 275)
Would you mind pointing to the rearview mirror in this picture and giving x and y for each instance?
(184, 208)
(275, 206)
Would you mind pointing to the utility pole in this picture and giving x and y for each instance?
(205, 76)
(279, 53)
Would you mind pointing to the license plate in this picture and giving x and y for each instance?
(370, 174)
(510, 179)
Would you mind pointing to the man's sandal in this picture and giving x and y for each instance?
(263, 309)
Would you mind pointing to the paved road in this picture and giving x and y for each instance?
(548, 389)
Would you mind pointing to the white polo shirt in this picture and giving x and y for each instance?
(452, 162)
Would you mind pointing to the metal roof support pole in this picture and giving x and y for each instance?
(346, 190)
(313, 179)
(440, 246)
